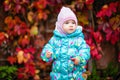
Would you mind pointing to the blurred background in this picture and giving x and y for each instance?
(26, 25)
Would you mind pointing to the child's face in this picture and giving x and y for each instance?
(69, 26)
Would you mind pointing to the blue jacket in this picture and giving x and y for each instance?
(63, 48)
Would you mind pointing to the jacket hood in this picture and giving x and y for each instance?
(64, 15)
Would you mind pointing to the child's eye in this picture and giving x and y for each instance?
(73, 22)
(67, 22)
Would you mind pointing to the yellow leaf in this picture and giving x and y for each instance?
(37, 71)
(36, 77)
(30, 16)
(83, 19)
(26, 58)
(20, 57)
(105, 6)
(34, 30)
(114, 21)
(6, 1)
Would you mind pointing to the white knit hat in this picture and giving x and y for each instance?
(64, 15)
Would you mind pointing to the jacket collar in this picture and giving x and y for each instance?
(76, 33)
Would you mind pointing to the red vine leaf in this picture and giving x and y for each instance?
(12, 59)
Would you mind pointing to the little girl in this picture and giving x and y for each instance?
(67, 48)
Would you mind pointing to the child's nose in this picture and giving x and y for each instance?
(71, 25)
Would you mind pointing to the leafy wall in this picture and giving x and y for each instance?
(26, 25)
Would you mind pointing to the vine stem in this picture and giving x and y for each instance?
(91, 15)
(93, 25)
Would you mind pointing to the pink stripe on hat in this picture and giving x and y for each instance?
(64, 15)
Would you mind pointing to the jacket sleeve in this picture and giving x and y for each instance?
(83, 51)
(48, 47)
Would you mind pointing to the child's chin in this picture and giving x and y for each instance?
(70, 32)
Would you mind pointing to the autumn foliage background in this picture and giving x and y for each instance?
(25, 24)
